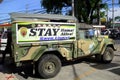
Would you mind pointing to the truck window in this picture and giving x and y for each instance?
(82, 34)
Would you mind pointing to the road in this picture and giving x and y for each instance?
(83, 69)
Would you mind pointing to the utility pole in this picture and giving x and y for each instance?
(113, 19)
(27, 8)
(73, 13)
(98, 14)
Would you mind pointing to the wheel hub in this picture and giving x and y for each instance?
(108, 57)
(49, 67)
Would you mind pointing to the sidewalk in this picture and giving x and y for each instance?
(5, 74)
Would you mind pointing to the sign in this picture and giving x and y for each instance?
(45, 31)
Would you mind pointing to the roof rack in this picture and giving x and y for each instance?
(41, 17)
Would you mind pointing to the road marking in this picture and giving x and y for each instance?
(87, 73)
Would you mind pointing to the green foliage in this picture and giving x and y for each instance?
(85, 10)
(55, 6)
(1, 1)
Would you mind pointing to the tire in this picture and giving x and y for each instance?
(108, 55)
(49, 66)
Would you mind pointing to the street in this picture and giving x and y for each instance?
(83, 69)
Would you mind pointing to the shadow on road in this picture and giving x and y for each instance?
(116, 71)
(113, 67)
(27, 70)
(24, 71)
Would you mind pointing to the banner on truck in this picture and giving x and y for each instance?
(45, 31)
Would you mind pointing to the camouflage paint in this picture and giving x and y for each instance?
(33, 51)
(107, 42)
(29, 54)
(86, 46)
(67, 49)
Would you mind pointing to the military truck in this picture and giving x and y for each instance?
(47, 40)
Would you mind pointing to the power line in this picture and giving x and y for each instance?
(30, 4)
(114, 4)
(23, 11)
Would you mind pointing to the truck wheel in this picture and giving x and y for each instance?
(108, 55)
(49, 65)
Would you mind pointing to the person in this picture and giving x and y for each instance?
(91, 33)
(97, 32)
(8, 46)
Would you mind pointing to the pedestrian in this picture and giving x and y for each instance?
(8, 47)
(91, 33)
(96, 32)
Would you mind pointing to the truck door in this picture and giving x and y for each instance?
(86, 44)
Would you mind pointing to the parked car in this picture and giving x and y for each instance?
(114, 33)
(105, 32)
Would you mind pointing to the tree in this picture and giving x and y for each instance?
(55, 6)
(1, 1)
(85, 10)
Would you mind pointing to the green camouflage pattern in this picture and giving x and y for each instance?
(68, 49)
(64, 39)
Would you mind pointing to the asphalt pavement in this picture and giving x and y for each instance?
(83, 69)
